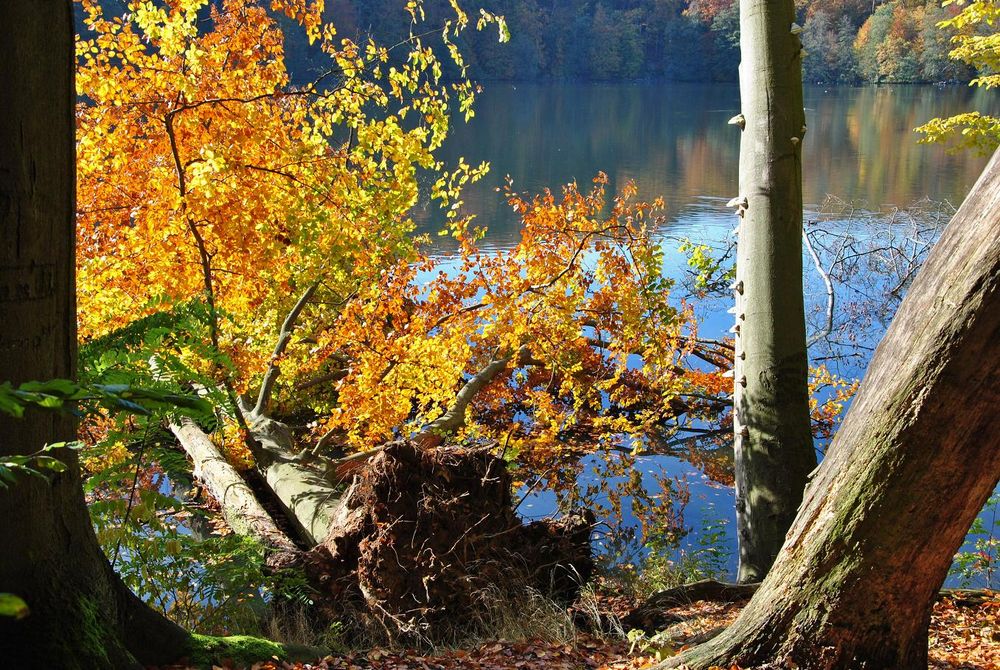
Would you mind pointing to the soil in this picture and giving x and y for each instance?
(428, 539)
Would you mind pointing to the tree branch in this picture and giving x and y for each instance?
(433, 433)
(243, 512)
(284, 337)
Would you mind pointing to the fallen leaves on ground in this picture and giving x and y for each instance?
(965, 638)
(961, 638)
(585, 653)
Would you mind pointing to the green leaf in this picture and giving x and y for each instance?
(129, 406)
(62, 387)
(12, 606)
(50, 463)
(9, 402)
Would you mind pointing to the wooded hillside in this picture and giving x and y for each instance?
(846, 41)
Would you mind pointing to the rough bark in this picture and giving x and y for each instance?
(773, 444)
(81, 614)
(914, 462)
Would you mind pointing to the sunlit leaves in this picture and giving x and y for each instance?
(190, 128)
(12, 606)
(977, 43)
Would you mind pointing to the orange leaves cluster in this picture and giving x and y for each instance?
(205, 174)
(203, 171)
(580, 300)
(828, 396)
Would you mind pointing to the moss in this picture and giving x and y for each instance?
(91, 641)
(241, 650)
(92, 630)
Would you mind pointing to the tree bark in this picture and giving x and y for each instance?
(81, 614)
(773, 443)
(915, 460)
(307, 493)
(243, 512)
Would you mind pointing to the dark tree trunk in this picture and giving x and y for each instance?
(773, 443)
(915, 460)
(81, 615)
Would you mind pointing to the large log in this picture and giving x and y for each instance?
(240, 507)
(304, 488)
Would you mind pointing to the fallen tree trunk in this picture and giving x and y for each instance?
(306, 495)
(304, 488)
(240, 507)
(422, 546)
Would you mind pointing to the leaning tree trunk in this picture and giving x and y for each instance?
(81, 614)
(914, 462)
(773, 443)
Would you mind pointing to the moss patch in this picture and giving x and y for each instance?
(241, 650)
(93, 629)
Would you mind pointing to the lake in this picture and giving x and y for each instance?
(674, 141)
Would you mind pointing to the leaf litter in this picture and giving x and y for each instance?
(961, 637)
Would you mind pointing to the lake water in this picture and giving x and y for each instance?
(674, 141)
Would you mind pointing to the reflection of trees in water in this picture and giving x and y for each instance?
(673, 140)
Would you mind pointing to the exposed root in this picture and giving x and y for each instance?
(424, 538)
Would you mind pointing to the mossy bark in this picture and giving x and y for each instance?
(206, 651)
(914, 462)
(81, 615)
(773, 443)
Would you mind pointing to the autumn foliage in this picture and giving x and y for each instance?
(211, 184)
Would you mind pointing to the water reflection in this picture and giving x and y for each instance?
(673, 140)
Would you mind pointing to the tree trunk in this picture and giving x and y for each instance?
(773, 443)
(81, 615)
(307, 493)
(243, 512)
(915, 460)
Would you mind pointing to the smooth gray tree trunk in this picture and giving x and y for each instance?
(773, 442)
(915, 460)
(81, 614)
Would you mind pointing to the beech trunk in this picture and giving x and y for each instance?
(773, 442)
(81, 615)
(915, 460)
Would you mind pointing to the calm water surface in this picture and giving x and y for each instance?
(674, 141)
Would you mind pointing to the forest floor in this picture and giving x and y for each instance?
(961, 638)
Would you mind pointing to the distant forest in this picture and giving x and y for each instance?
(846, 41)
